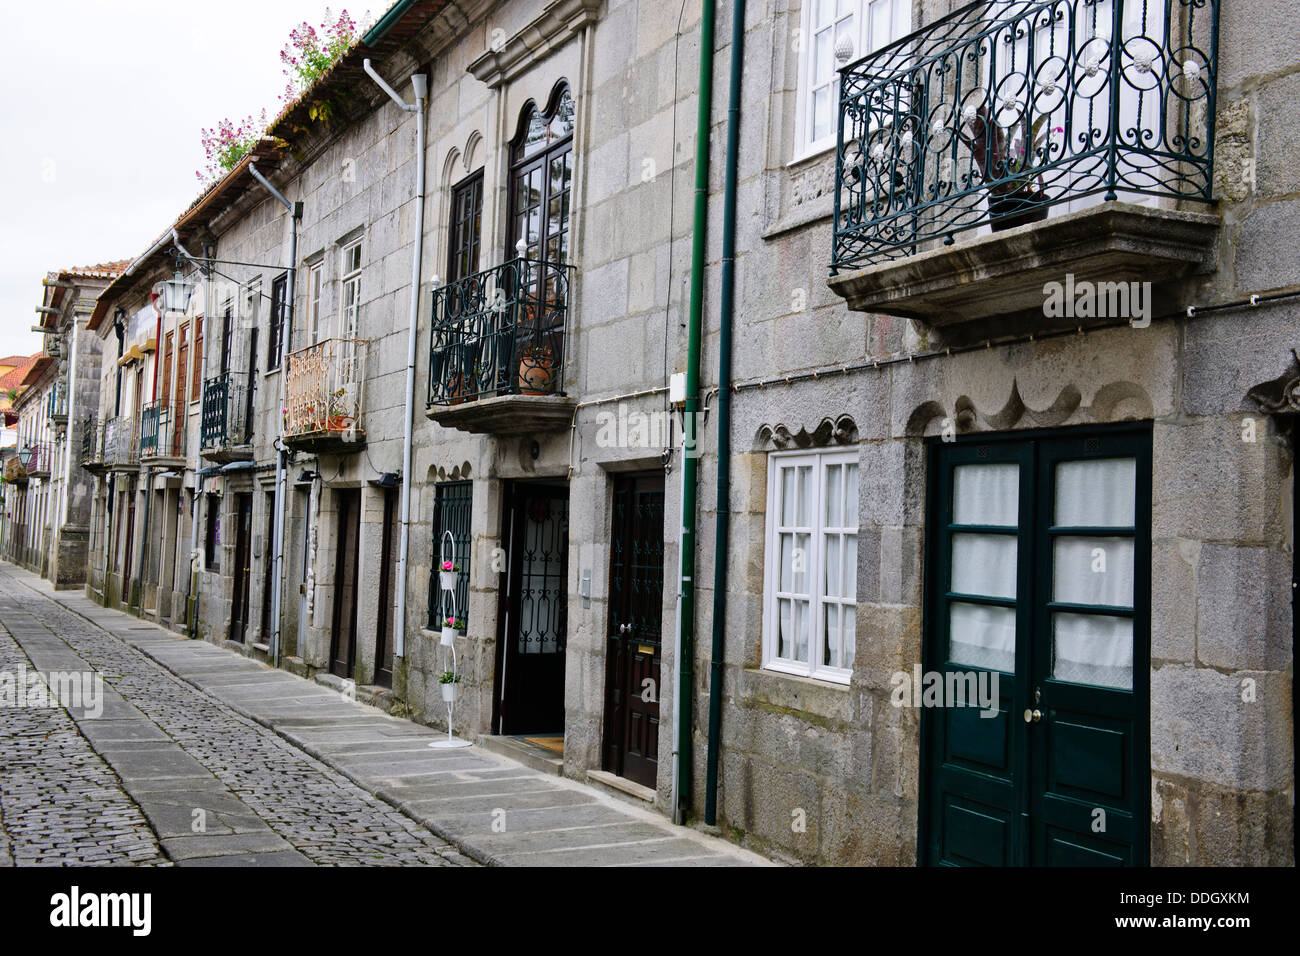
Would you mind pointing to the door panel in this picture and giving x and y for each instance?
(533, 623)
(1055, 595)
(632, 670)
(343, 639)
(243, 555)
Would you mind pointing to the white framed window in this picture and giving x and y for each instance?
(350, 300)
(314, 285)
(810, 589)
(858, 26)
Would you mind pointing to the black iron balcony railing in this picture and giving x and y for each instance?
(92, 448)
(162, 430)
(500, 332)
(1005, 108)
(227, 411)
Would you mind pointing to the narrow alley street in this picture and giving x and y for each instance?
(201, 756)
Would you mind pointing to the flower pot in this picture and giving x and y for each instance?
(1016, 209)
(449, 692)
(537, 372)
(448, 638)
(457, 389)
(447, 580)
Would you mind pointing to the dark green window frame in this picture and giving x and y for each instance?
(452, 511)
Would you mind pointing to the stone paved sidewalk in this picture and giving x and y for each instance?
(490, 808)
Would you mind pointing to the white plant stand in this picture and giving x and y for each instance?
(449, 610)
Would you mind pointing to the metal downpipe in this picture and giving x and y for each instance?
(690, 469)
(726, 315)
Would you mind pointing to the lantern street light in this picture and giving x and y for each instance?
(177, 290)
(25, 456)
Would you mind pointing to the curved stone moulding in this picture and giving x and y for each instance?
(1116, 401)
(842, 430)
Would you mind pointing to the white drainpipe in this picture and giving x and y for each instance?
(281, 491)
(420, 83)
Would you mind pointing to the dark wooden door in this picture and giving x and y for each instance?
(387, 595)
(344, 635)
(268, 567)
(1040, 574)
(636, 582)
(242, 570)
(530, 680)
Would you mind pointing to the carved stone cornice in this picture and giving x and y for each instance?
(551, 29)
(1280, 396)
(840, 431)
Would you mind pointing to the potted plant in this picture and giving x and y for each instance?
(457, 387)
(451, 626)
(1007, 159)
(537, 370)
(448, 574)
(449, 680)
(339, 419)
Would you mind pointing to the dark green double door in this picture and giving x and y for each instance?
(1039, 572)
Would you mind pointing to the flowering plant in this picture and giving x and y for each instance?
(227, 143)
(310, 54)
(1011, 154)
(450, 566)
(456, 622)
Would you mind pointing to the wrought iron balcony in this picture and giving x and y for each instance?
(39, 459)
(1004, 110)
(324, 396)
(58, 403)
(15, 472)
(121, 444)
(225, 422)
(92, 444)
(497, 349)
(162, 432)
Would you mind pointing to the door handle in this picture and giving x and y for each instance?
(1033, 716)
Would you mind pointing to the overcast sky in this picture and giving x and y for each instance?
(101, 107)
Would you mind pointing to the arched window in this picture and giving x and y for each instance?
(541, 174)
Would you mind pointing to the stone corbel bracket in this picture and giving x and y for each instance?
(839, 431)
(1280, 397)
(551, 29)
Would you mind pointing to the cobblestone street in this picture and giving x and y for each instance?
(124, 788)
(199, 756)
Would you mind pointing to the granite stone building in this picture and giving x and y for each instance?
(887, 457)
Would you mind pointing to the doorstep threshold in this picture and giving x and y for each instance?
(621, 784)
(528, 754)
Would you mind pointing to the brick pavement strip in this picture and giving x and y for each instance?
(289, 750)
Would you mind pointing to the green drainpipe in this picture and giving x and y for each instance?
(690, 468)
(726, 312)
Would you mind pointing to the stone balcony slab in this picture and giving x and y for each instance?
(507, 414)
(962, 287)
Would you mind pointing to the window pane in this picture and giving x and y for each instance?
(1096, 494)
(1093, 571)
(984, 564)
(850, 627)
(805, 487)
(850, 589)
(787, 497)
(982, 636)
(986, 494)
(821, 125)
(1093, 649)
(786, 582)
(851, 495)
(834, 495)
(830, 640)
(831, 566)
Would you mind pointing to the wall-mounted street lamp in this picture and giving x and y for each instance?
(177, 290)
(25, 456)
